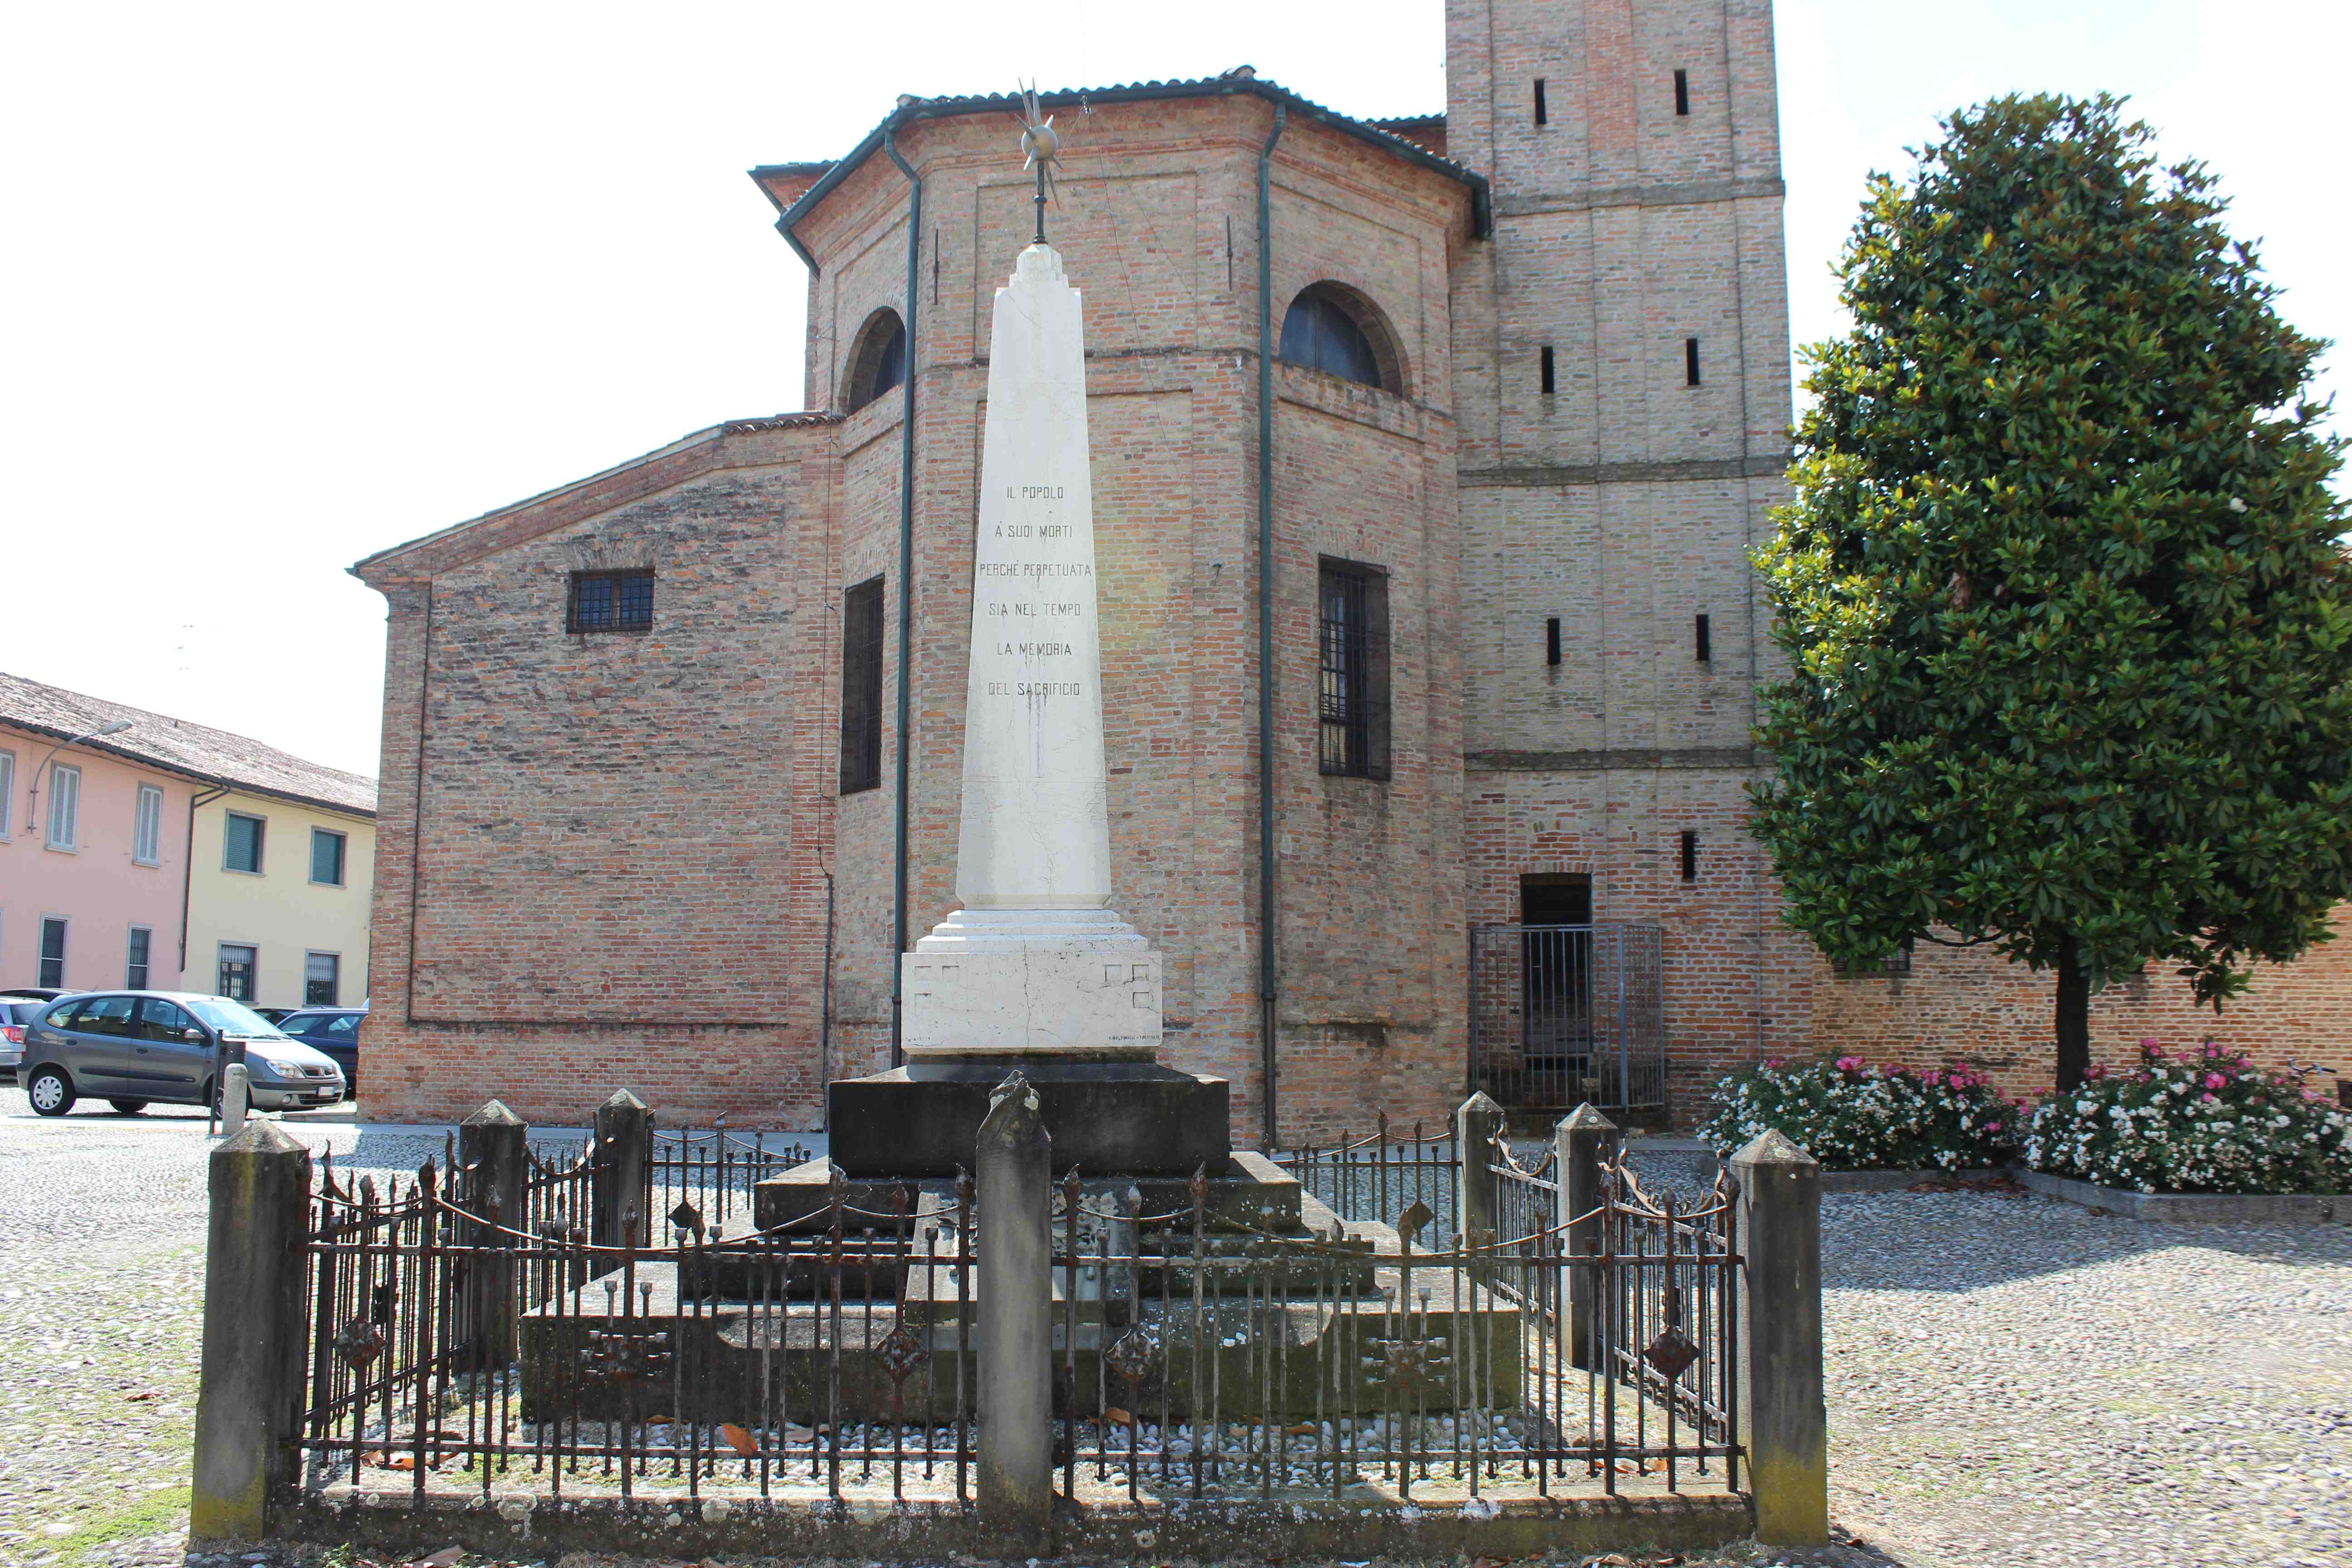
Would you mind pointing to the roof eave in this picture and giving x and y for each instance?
(1481, 200)
(182, 770)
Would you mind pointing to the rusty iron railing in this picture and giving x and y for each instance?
(1568, 1016)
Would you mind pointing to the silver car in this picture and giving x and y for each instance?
(137, 1048)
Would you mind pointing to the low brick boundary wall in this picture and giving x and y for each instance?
(2195, 1208)
(1836, 1181)
(1205, 1531)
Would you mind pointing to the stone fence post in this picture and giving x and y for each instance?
(492, 1145)
(1477, 1125)
(619, 1184)
(1581, 1146)
(1783, 1419)
(1015, 1349)
(249, 1394)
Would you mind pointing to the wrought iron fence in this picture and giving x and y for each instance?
(1565, 1015)
(448, 1345)
(1195, 1356)
(1318, 1365)
(1374, 1177)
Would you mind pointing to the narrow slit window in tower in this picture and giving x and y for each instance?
(1690, 362)
(1682, 92)
(1545, 370)
(1706, 645)
(1551, 640)
(1690, 856)
(1543, 116)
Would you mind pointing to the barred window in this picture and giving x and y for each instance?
(1353, 696)
(861, 687)
(612, 602)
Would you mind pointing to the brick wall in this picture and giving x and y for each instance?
(615, 871)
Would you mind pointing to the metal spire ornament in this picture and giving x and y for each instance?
(1041, 146)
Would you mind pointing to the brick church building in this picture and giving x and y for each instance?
(671, 755)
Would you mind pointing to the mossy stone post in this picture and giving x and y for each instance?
(250, 1395)
(492, 1145)
(1014, 1160)
(1783, 1419)
(1582, 1145)
(1477, 1125)
(620, 1182)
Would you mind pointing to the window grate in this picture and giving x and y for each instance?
(1353, 696)
(321, 980)
(134, 972)
(612, 600)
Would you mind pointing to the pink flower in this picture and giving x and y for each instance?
(2153, 1051)
(2211, 1099)
(2095, 1071)
(2215, 1080)
(1849, 1064)
(1993, 1126)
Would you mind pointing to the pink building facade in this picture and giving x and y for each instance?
(93, 865)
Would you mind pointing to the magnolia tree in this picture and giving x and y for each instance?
(2060, 589)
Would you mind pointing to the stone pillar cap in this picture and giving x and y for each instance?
(494, 1113)
(259, 1136)
(1585, 1117)
(1772, 1147)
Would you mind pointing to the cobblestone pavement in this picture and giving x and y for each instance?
(2012, 1381)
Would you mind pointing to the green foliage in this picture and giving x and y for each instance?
(2060, 589)
(1851, 1117)
(2210, 1124)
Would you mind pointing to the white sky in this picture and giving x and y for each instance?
(285, 284)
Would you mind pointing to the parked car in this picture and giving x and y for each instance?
(32, 992)
(275, 1015)
(334, 1030)
(136, 1048)
(16, 1011)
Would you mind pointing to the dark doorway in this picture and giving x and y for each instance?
(1556, 978)
(1557, 901)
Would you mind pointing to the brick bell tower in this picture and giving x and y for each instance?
(1622, 353)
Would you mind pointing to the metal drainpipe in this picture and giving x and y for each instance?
(905, 593)
(188, 870)
(825, 1016)
(1265, 972)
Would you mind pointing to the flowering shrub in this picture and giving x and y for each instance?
(2207, 1123)
(1851, 1117)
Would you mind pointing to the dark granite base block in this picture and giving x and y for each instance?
(1125, 1117)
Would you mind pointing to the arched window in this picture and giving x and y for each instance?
(878, 361)
(1329, 330)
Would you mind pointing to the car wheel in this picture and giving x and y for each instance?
(50, 1092)
(128, 1107)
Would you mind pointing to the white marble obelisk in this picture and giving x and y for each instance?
(1036, 961)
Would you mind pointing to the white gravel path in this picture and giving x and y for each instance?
(2012, 1381)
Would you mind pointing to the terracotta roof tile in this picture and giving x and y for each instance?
(174, 743)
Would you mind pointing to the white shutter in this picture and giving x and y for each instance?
(147, 839)
(65, 807)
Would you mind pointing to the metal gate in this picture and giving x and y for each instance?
(1563, 1015)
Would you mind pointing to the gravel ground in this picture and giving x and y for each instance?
(2013, 1381)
